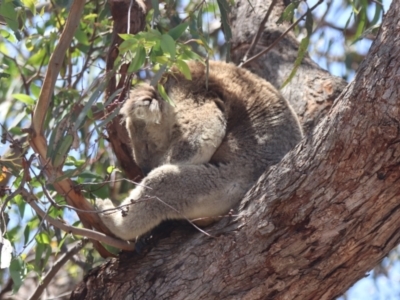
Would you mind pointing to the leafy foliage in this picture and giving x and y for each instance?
(177, 31)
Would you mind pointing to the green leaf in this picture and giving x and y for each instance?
(138, 60)
(30, 4)
(4, 75)
(113, 96)
(184, 68)
(302, 52)
(288, 13)
(168, 45)
(5, 34)
(225, 9)
(177, 31)
(38, 257)
(362, 22)
(24, 98)
(155, 5)
(42, 238)
(21, 204)
(35, 90)
(156, 78)
(17, 272)
(7, 10)
(110, 169)
(81, 36)
(200, 20)
(309, 22)
(128, 45)
(96, 94)
(90, 16)
(109, 117)
(27, 232)
(190, 55)
(63, 146)
(378, 13)
(164, 94)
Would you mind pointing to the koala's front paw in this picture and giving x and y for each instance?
(145, 104)
(105, 204)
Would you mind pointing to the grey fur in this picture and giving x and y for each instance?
(205, 152)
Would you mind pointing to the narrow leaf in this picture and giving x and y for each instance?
(302, 52)
(24, 98)
(184, 68)
(168, 45)
(96, 94)
(138, 60)
(164, 94)
(225, 9)
(177, 31)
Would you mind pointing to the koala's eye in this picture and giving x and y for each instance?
(147, 147)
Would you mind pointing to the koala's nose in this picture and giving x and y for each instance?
(145, 170)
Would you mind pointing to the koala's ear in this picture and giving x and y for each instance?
(220, 104)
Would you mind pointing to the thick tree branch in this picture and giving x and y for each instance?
(311, 226)
(38, 141)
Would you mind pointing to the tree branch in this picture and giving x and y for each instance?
(55, 64)
(56, 267)
(259, 31)
(253, 58)
(94, 235)
(310, 227)
(38, 141)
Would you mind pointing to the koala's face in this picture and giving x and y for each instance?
(149, 144)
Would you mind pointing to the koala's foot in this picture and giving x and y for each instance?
(145, 104)
(113, 217)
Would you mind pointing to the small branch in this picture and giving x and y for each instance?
(56, 267)
(279, 38)
(101, 237)
(259, 31)
(55, 64)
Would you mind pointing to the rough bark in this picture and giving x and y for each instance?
(311, 227)
(117, 134)
(312, 91)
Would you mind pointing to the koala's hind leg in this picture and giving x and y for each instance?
(176, 192)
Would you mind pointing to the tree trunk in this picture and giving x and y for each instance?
(314, 224)
(312, 91)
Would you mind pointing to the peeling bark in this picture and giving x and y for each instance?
(311, 227)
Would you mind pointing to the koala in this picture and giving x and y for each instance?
(202, 153)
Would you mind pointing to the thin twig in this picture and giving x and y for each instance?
(259, 31)
(128, 25)
(279, 38)
(18, 190)
(101, 237)
(56, 267)
(197, 7)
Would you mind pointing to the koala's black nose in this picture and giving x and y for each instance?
(145, 170)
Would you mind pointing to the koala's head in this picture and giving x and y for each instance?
(149, 144)
(148, 121)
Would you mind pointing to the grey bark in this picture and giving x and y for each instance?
(312, 91)
(312, 226)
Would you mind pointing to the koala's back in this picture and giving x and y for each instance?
(261, 127)
(227, 127)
